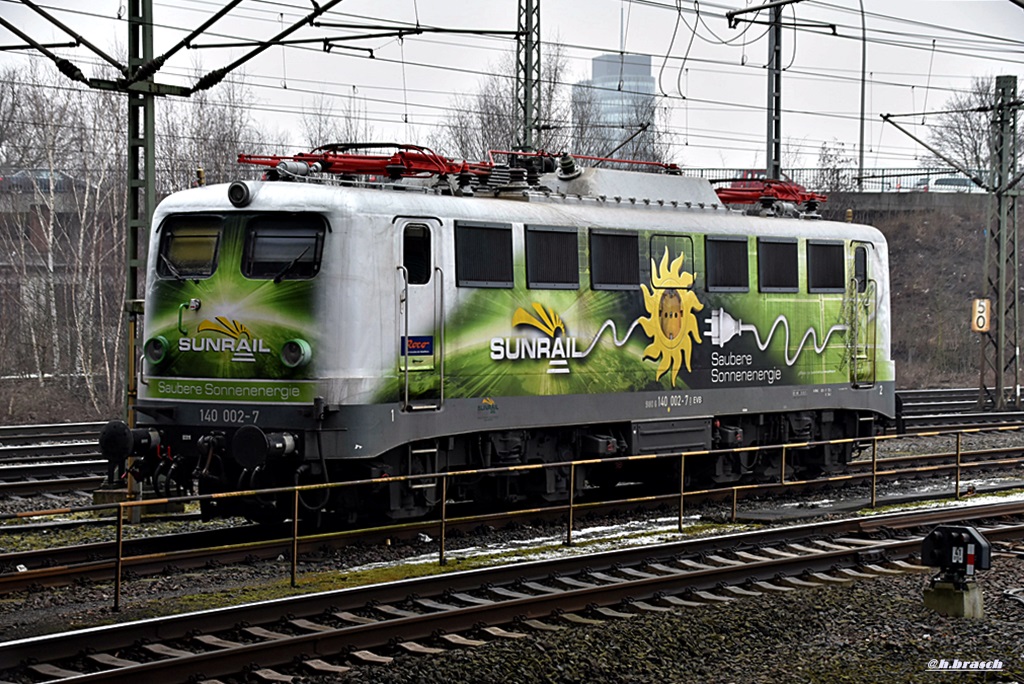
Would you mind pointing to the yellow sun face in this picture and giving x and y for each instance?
(672, 325)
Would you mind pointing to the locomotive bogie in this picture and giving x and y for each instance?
(314, 333)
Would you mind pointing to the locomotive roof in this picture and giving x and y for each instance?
(524, 205)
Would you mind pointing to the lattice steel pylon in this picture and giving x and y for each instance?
(528, 70)
(1000, 351)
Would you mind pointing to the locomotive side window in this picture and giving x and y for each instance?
(826, 266)
(416, 253)
(552, 258)
(777, 269)
(483, 254)
(283, 246)
(726, 263)
(676, 245)
(189, 246)
(614, 260)
(860, 268)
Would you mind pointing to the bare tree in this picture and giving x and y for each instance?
(836, 168)
(964, 131)
(208, 131)
(489, 120)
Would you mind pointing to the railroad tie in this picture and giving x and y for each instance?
(541, 626)
(371, 658)
(680, 603)
(431, 604)
(394, 611)
(768, 586)
(579, 619)
(603, 577)
(664, 569)
(779, 553)
(650, 608)
(712, 598)
(217, 642)
(829, 579)
(574, 583)
(853, 541)
(804, 549)
(52, 671)
(261, 633)
(829, 546)
(694, 565)
(419, 649)
(541, 588)
(166, 651)
(309, 626)
(346, 616)
(740, 591)
(878, 569)
(612, 613)
(267, 675)
(459, 640)
(317, 666)
(797, 582)
(503, 633)
(636, 574)
(110, 661)
(911, 567)
(472, 600)
(857, 574)
(722, 560)
(507, 593)
(746, 555)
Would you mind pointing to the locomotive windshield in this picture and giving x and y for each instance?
(189, 247)
(283, 246)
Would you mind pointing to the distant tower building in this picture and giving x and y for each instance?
(614, 104)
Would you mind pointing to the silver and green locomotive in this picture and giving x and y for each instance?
(352, 316)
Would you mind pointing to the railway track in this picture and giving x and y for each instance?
(148, 556)
(330, 632)
(936, 409)
(37, 459)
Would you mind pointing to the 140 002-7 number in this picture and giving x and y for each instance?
(213, 415)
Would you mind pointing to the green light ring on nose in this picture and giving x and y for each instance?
(296, 353)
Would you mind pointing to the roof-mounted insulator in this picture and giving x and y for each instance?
(568, 168)
(293, 168)
(500, 176)
(465, 180)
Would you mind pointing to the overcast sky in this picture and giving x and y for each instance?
(710, 77)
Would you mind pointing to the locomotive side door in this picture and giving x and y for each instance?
(863, 346)
(418, 309)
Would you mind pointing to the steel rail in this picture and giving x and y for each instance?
(529, 590)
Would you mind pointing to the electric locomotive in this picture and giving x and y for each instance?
(351, 316)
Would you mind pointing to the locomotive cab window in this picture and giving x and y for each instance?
(777, 269)
(726, 263)
(189, 246)
(483, 254)
(826, 266)
(416, 253)
(283, 246)
(614, 260)
(552, 258)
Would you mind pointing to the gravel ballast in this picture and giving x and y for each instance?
(870, 631)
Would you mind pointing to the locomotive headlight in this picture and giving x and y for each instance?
(296, 353)
(156, 349)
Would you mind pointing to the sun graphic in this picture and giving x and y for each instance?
(671, 324)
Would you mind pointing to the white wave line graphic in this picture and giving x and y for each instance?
(610, 323)
(810, 333)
